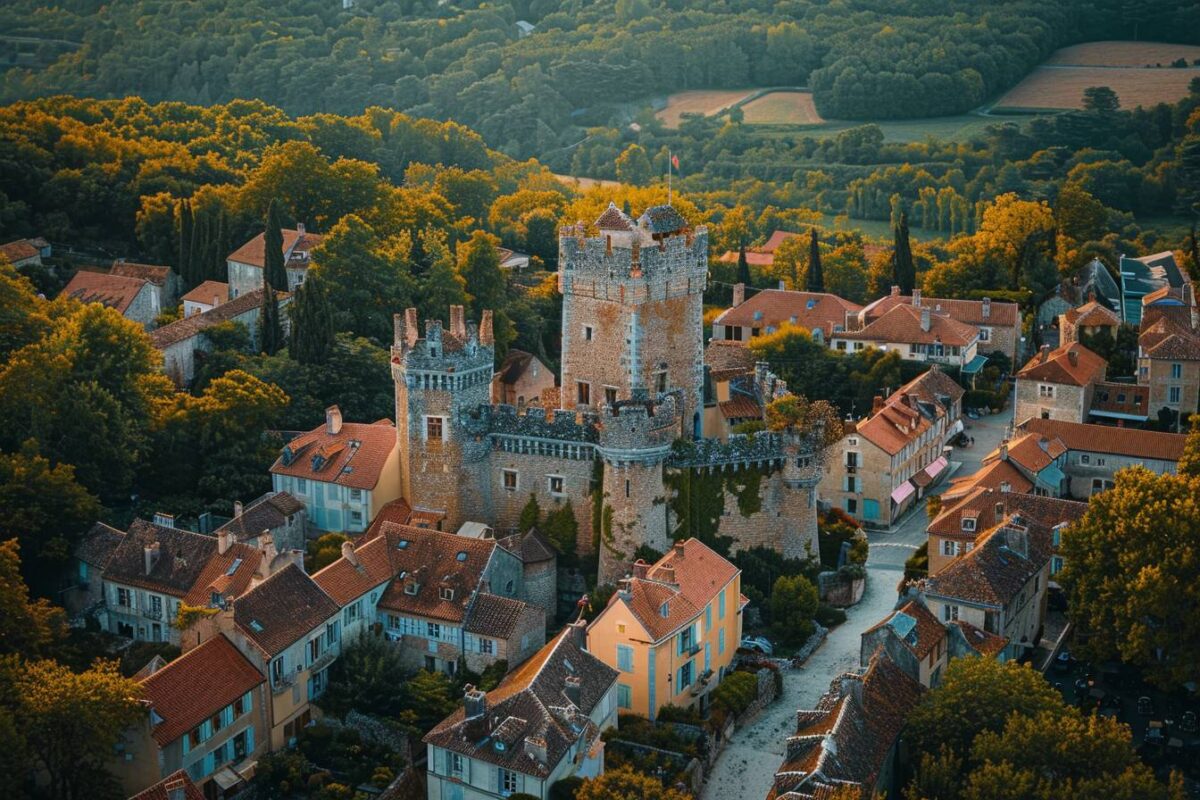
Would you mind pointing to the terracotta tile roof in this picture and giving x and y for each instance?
(211, 293)
(774, 307)
(514, 366)
(530, 706)
(152, 273)
(682, 582)
(1107, 439)
(739, 407)
(254, 252)
(646, 600)
(1032, 451)
(269, 512)
(932, 386)
(726, 359)
(188, 327)
(1158, 322)
(915, 626)
(777, 238)
(1071, 364)
(981, 504)
(1107, 398)
(614, 219)
(969, 311)
(1048, 511)
(531, 547)
(426, 563)
(1003, 561)
(755, 258)
(225, 575)
(902, 323)
(1176, 347)
(354, 456)
(182, 558)
(19, 250)
(197, 685)
(98, 545)
(847, 739)
(345, 581)
(283, 609)
(113, 291)
(992, 475)
(1091, 315)
(397, 511)
(986, 644)
(893, 426)
(494, 615)
(163, 790)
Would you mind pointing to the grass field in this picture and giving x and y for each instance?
(703, 101)
(782, 108)
(1123, 54)
(1061, 87)
(585, 183)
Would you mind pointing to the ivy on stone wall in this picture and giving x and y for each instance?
(746, 486)
(698, 501)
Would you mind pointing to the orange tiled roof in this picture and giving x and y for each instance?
(431, 561)
(992, 475)
(927, 629)
(208, 292)
(254, 252)
(164, 789)
(775, 307)
(1092, 314)
(19, 250)
(281, 610)
(197, 685)
(741, 407)
(182, 329)
(995, 570)
(1032, 451)
(153, 273)
(225, 574)
(902, 323)
(754, 258)
(683, 581)
(114, 291)
(1107, 396)
(345, 582)
(893, 426)
(984, 643)
(1176, 347)
(968, 311)
(1107, 439)
(354, 456)
(726, 359)
(1071, 364)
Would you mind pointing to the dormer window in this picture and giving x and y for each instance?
(411, 587)
(758, 315)
(664, 610)
(447, 593)
(968, 524)
(499, 746)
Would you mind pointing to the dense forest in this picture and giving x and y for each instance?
(583, 64)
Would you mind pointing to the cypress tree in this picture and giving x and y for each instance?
(218, 270)
(312, 336)
(275, 272)
(196, 249)
(270, 333)
(904, 272)
(743, 266)
(816, 277)
(186, 222)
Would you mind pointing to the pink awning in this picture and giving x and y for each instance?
(935, 469)
(902, 492)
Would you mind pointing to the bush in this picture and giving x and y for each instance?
(565, 789)
(793, 603)
(917, 565)
(829, 617)
(736, 693)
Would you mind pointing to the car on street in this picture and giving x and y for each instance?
(757, 644)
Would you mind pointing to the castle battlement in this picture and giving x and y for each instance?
(461, 349)
(559, 425)
(640, 429)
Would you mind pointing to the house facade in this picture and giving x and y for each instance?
(165, 280)
(277, 513)
(246, 264)
(671, 630)
(540, 725)
(205, 297)
(1169, 359)
(521, 380)
(134, 298)
(769, 310)
(1058, 384)
(998, 323)
(917, 333)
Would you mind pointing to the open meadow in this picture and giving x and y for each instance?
(782, 108)
(701, 101)
(1123, 54)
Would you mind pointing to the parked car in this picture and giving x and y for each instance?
(757, 644)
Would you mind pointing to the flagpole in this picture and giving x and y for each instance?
(670, 163)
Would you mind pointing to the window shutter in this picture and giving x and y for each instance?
(187, 742)
(249, 740)
(209, 764)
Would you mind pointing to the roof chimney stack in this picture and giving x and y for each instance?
(349, 554)
(1045, 353)
(412, 327)
(579, 634)
(485, 329)
(300, 228)
(224, 541)
(876, 404)
(782, 285)
(895, 291)
(333, 420)
(1073, 357)
(987, 307)
(458, 326)
(916, 297)
(739, 294)
(475, 708)
(925, 321)
(640, 568)
(151, 553)
(237, 508)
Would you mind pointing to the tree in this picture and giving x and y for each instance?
(1189, 462)
(1130, 572)
(23, 317)
(324, 550)
(274, 270)
(442, 285)
(904, 271)
(71, 722)
(1100, 98)
(1078, 215)
(625, 784)
(743, 267)
(369, 676)
(431, 697)
(539, 234)
(270, 331)
(633, 166)
(531, 515)
(816, 278)
(28, 628)
(312, 339)
(562, 529)
(479, 265)
(794, 601)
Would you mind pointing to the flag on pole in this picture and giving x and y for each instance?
(675, 161)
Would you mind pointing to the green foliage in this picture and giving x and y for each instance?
(562, 530)
(531, 515)
(736, 692)
(275, 272)
(832, 532)
(761, 567)
(565, 789)
(28, 628)
(270, 329)
(828, 616)
(311, 341)
(323, 551)
(793, 604)
(323, 751)
(369, 677)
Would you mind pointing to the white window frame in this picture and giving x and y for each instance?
(441, 426)
(562, 485)
(516, 479)
(1046, 391)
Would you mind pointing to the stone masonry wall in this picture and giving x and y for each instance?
(533, 477)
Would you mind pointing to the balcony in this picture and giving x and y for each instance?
(152, 613)
(324, 661)
(282, 684)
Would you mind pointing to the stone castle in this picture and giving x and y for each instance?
(630, 407)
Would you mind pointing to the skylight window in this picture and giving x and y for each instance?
(237, 562)
(666, 612)
(402, 544)
(256, 626)
(462, 555)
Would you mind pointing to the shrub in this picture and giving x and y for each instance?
(565, 789)
(736, 693)
(793, 603)
(917, 565)
(829, 617)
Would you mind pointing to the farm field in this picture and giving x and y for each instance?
(782, 108)
(584, 183)
(701, 101)
(1061, 87)
(1123, 54)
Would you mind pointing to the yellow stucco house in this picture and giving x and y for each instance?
(671, 629)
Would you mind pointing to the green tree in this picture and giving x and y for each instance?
(1101, 98)
(1078, 215)
(312, 339)
(431, 697)
(743, 267)
(274, 270)
(633, 166)
(562, 529)
(369, 677)
(794, 601)
(539, 234)
(816, 278)
(904, 271)
(625, 784)
(23, 317)
(531, 515)
(270, 330)
(28, 628)
(1130, 573)
(479, 265)
(442, 285)
(324, 550)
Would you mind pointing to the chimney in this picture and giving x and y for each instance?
(475, 708)
(677, 549)
(348, 553)
(151, 553)
(925, 322)
(987, 307)
(782, 285)
(485, 329)
(333, 420)
(266, 547)
(876, 404)
(535, 748)
(224, 541)
(1073, 357)
(300, 228)
(397, 329)
(895, 291)
(163, 519)
(623, 590)
(458, 326)
(640, 568)
(579, 634)
(1045, 353)
(572, 689)
(1004, 450)
(237, 508)
(916, 297)
(739, 293)
(412, 328)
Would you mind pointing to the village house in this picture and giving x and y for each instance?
(180, 341)
(276, 513)
(1169, 360)
(1040, 459)
(164, 279)
(1119, 403)
(540, 725)
(998, 323)
(512, 260)
(357, 581)
(521, 380)
(1058, 384)
(246, 264)
(133, 298)
(997, 473)
(771, 309)
(999, 585)
(456, 598)
(851, 738)
(539, 569)
(205, 714)
(156, 569)
(176, 786)
(25, 252)
(343, 472)
(84, 586)
(205, 297)
(732, 392)
(886, 461)
(917, 333)
(671, 629)
(1090, 319)
(1145, 275)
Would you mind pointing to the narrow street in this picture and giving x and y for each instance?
(747, 767)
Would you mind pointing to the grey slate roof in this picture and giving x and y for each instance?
(662, 219)
(182, 556)
(266, 513)
(282, 609)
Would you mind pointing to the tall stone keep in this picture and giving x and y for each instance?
(633, 311)
(442, 381)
